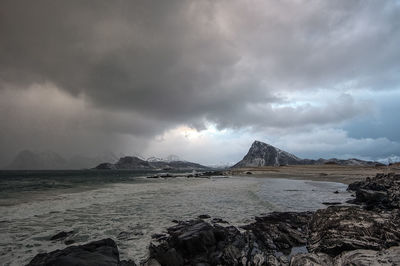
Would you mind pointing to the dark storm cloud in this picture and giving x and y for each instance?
(141, 67)
(179, 60)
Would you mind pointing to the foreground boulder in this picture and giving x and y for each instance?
(196, 241)
(98, 253)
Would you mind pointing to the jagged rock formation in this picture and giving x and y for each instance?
(342, 228)
(388, 257)
(379, 192)
(262, 154)
(132, 162)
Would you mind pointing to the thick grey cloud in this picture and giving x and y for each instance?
(139, 68)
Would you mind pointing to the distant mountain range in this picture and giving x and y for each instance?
(47, 160)
(259, 154)
(133, 162)
(263, 154)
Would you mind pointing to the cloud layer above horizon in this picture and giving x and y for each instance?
(201, 79)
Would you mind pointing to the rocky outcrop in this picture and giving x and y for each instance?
(379, 192)
(356, 257)
(61, 235)
(280, 231)
(263, 154)
(99, 253)
(342, 228)
(197, 241)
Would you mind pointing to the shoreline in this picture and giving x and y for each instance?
(364, 233)
(328, 173)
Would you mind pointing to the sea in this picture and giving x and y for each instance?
(129, 208)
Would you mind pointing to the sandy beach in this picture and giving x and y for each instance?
(333, 173)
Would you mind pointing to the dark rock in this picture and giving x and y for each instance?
(167, 176)
(69, 242)
(153, 176)
(127, 263)
(380, 192)
(204, 216)
(331, 203)
(311, 259)
(219, 220)
(61, 235)
(249, 173)
(336, 192)
(197, 242)
(159, 237)
(337, 229)
(355, 257)
(98, 253)
(389, 256)
(281, 231)
(212, 173)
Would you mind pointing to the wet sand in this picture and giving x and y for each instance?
(333, 173)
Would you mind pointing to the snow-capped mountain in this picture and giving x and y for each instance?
(133, 162)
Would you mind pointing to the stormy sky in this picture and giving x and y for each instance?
(200, 79)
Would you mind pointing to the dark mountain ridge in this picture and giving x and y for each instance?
(133, 162)
(263, 154)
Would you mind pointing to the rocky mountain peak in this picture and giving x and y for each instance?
(263, 154)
